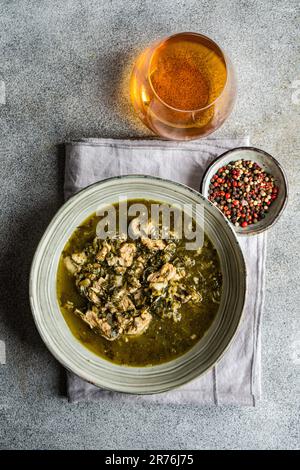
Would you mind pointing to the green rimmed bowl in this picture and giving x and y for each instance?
(94, 369)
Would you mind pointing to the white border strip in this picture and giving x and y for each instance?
(2, 92)
(2, 352)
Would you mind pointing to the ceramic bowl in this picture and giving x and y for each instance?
(270, 165)
(71, 353)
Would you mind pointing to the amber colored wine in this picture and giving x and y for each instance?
(180, 87)
(187, 75)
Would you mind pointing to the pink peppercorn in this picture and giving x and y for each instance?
(246, 188)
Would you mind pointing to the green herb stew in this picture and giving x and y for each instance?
(137, 300)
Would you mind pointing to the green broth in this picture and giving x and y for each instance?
(165, 339)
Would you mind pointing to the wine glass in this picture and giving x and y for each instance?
(183, 87)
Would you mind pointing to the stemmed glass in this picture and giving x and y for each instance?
(183, 87)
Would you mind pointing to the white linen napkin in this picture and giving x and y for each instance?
(236, 377)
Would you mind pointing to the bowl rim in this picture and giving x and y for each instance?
(284, 178)
(35, 263)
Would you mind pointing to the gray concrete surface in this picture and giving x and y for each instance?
(65, 65)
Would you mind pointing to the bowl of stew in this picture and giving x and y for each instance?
(141, 309)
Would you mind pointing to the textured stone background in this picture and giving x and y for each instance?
(65, 68)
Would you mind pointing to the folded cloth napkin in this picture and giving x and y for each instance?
(236, 377)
